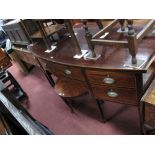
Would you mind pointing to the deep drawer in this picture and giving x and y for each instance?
(126, 96)
(111, 79)
(27, 57)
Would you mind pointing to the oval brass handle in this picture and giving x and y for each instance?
(112, 94)
(68, 72)
(108, 80)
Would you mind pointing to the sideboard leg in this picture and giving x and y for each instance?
(99, 102)
(140, 112)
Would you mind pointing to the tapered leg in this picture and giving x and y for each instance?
(69, 104)
(46, 73)
(141, 117)
(88, 37)
(99, 102)
(49, 77)
(122, 21)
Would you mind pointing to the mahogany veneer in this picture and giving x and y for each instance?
(119, 79)
(129, 83)
(25, 56)
(70, 88)
(65, 71)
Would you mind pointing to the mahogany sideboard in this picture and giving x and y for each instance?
(106, 78)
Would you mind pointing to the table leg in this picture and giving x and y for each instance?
(99, 102)
(141, 117)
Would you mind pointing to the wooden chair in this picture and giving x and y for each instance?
(131, 42)
(69, 90)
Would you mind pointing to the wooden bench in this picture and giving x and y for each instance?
(148, 110)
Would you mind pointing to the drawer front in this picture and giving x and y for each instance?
(27, 57)
(31, 60)
(149, 115)
(126, 96)
(65, 71)
(111, 79)
(21, 55)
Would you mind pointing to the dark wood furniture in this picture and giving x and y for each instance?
(25, 55)
(131, 38)
(71, 80)
(4, 60)
(19, 61)
(23, 59)
(106, 78)
(20, 34)
(50, 30)
(148, 110)
(26, 60)
(69, 91)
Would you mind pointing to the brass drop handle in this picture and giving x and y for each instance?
(108, 80)
(67, 72)
(111, 93)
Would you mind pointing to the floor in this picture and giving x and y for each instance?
(48, 108)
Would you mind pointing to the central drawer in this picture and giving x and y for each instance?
(111, 79)
(121, 95)
(65, 71)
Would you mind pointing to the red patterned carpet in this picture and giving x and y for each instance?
(47, 107)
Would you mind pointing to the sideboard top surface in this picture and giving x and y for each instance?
(112, 57)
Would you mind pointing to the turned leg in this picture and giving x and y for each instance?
(88, 37)
(131, 30)
(69, 103)
(132, 45)
(132, 41)
(99, 102)
(122, 21)
(99, 23)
